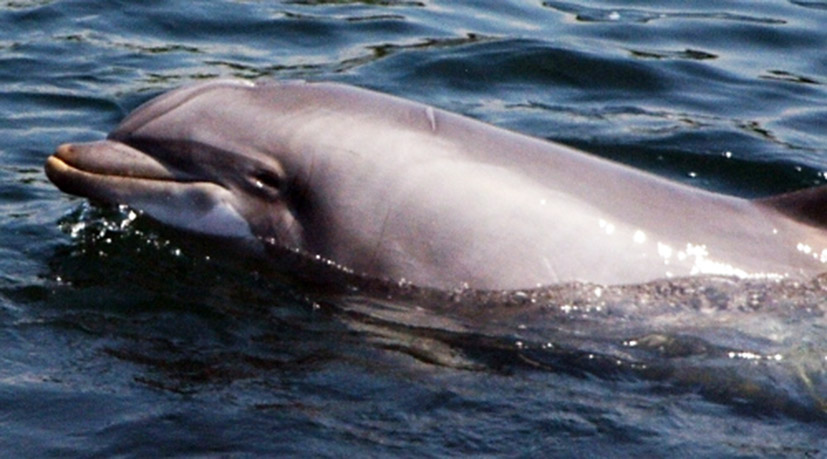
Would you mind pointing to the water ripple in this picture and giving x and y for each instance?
(115, 329)
(626, 15)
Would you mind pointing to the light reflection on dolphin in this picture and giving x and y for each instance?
(399, 191)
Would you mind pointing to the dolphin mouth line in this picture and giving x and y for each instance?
(66, 161)
(110, 187)
(58, 165)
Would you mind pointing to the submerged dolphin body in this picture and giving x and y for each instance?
(401, 191)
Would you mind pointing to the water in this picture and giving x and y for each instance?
(122, 337)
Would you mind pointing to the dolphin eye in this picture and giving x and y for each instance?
(266, 181)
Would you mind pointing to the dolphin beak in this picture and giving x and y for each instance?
(90, 169)
(107, 157)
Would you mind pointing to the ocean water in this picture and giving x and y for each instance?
(121, 337)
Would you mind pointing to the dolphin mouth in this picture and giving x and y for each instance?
(109, 171)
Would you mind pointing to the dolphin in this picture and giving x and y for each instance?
(403, 192)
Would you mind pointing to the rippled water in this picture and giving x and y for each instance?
(122, 337)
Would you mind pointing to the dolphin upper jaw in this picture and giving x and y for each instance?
(115, 173)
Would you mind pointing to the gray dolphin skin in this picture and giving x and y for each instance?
(399, 191)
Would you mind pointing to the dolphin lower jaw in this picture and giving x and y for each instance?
(201, 207)
(219, 219)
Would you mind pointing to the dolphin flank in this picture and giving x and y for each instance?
(400, 191)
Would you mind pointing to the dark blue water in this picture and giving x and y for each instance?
(119, 336)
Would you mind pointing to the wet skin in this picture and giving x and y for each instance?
(396, 190)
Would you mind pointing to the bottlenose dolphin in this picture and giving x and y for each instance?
(396, 190)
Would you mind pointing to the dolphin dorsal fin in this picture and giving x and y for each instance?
(807, 206)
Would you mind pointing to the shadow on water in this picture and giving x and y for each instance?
(135, 288)
(191, 318)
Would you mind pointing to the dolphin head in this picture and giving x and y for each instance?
(155, 163)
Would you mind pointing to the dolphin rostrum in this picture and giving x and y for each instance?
(399, 191)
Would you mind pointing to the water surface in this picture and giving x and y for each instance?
(122, 337)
